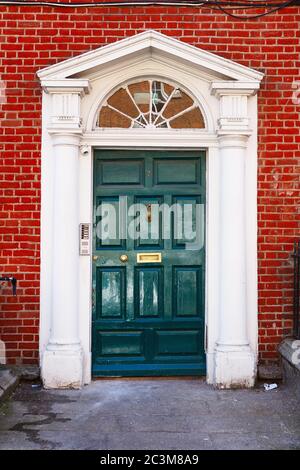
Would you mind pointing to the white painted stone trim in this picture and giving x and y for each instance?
(226, 94)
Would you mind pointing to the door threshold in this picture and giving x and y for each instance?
(159, 377)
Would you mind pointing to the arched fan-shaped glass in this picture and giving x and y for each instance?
(150, 104)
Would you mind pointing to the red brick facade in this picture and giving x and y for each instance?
(36, 37)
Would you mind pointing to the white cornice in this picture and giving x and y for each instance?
(66, 86)
(222, 88)
(149, 42)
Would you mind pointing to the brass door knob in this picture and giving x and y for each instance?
(95, 258)
(123, 258)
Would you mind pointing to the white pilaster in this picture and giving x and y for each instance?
(62, 361)
(234, 360)
(235, 365)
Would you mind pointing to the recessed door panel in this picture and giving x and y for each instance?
(178, 343)
(176, 171)
(149, 222)
(185, 229)
(187, 286)
(120, 172)
(111, 295)
(149, 288)
(118, 344)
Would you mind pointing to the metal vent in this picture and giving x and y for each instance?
(85, 239)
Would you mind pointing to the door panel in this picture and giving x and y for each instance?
(111, 295)
(121, 343)
(127, 172)
(183, 171)
(105, 239)
(148, 295)
(148, 318)
(178, 343)
(150, 234)
(187, 284)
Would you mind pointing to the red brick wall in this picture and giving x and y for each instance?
(36, 37)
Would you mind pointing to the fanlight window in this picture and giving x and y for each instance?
(150, 104)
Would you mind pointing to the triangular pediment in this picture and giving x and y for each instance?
(149, 43)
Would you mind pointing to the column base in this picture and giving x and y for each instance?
(62, 368)
(235, 367)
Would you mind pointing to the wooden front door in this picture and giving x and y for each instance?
(148, 311)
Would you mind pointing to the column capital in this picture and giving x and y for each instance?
(233, 111)
(66, 96)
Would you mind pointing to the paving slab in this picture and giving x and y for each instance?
(171, 414)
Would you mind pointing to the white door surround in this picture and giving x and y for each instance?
(73, 91)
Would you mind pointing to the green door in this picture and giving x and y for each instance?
(148, 263)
